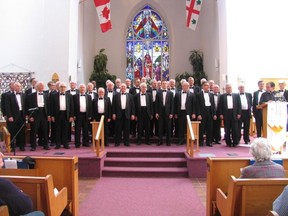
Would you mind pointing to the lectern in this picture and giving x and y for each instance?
(274, 116)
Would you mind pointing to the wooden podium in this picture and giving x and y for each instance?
(274, 116)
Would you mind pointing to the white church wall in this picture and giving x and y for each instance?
(35, 35)
(182, 39)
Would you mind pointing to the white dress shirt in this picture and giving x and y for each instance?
(62, 101)
(183, 100)
(143, 100)
(82, 103)
(101, 107)
(123, 101)
(229, 102)
(18, 98)
(244, 103)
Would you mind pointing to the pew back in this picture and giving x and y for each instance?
(4, 211)
(249, 196)
(219, 171)
(64, 171)
(41, 192)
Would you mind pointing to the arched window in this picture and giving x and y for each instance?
(147, 46)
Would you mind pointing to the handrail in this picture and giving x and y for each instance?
(7, 138)
(99, 137)
(191, 140)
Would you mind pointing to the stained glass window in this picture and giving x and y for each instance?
(147, 46)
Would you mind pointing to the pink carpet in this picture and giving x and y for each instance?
(136, 196)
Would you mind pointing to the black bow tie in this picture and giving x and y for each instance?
(241, 93)
(206, 92)
(260, 91)
(62, 94)
(229, 95)
(110, 91)
(82, 95)
(18, 93)
(90, 92)
(184, 92)
(154, 89)
(172, 88)
(215, 94)
(73, 90)
(137, 87)
(123, 93)
(191, 87)
(143, 94)
(164, 90)
(281, 90)
(40, 93)
(100, 98)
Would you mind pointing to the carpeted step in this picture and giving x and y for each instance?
(153, 140)
(144, 162)
(146, 154)
(145, 172)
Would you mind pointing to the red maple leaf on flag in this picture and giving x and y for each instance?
(106, 12)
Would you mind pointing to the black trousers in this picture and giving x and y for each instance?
(14, 127)
(164, 125)
(216, 130)
(61, 126)
(245, 121)
(81, 123)
(182, 124)
(258, 121)
(231, 128)
(122, 125)
(39, 126)
(206, 126)
(144, 124)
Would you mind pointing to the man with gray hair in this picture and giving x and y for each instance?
(263, 167)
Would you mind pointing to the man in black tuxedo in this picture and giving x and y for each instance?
(205, 113)
(192, 88)
(3, 99)
(101, 106)
(73, 90)
(230, 112)
(144, 112)
(15, 104)
(110, 93)
(174, 122)
(154, 121)
(62, 112)
(216, 137)
(246, 104)
(117, 85)
(257, 113)
(39, 118)
(282, 89)
(93, 95)
(164, 112)
(185, 104)
(82, 115)
(123, 110)
(32, 88)
(134, 90)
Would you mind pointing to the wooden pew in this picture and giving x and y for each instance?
(41, 191)
(64, 171)
(249, 197)
(272, 213)
(4, 211)
(219, 171)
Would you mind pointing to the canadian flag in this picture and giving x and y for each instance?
(103, 11)
(193, 8)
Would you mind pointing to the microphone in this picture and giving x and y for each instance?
(32, 109)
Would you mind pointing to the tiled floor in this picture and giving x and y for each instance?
(85, 185)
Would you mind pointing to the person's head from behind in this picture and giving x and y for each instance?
(261, 150)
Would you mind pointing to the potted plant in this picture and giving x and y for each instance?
(196, 60)
(100, 73)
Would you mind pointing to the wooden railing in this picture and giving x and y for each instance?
(98, 136)
(192, 136)
(7, 139)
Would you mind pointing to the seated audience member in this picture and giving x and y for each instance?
(17, 201)
(263, 167)
(280, 205)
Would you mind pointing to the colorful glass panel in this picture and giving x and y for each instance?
(147, 46)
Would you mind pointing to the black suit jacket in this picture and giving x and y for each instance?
(236, 106)
(169, 102)
(133, 90)
(32, 103)
(55, 105)
(76, 91)
(190, 103)
(255, 100)
(249, 101)
(201, 104)
(196, 89)
(149, 104)
(28, 91)
(76, 102)
(116, 106)
(12, 106)
(107, 108)
(3, 102)
(285, 94)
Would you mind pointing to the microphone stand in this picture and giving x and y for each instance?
(12, 142)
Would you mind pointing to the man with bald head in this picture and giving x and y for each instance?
(40, 116)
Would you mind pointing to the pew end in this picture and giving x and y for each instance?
(272, 213)
(4, 210)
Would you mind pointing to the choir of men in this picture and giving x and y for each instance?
(142, 110)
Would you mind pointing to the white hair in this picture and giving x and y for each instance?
(261, 149)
